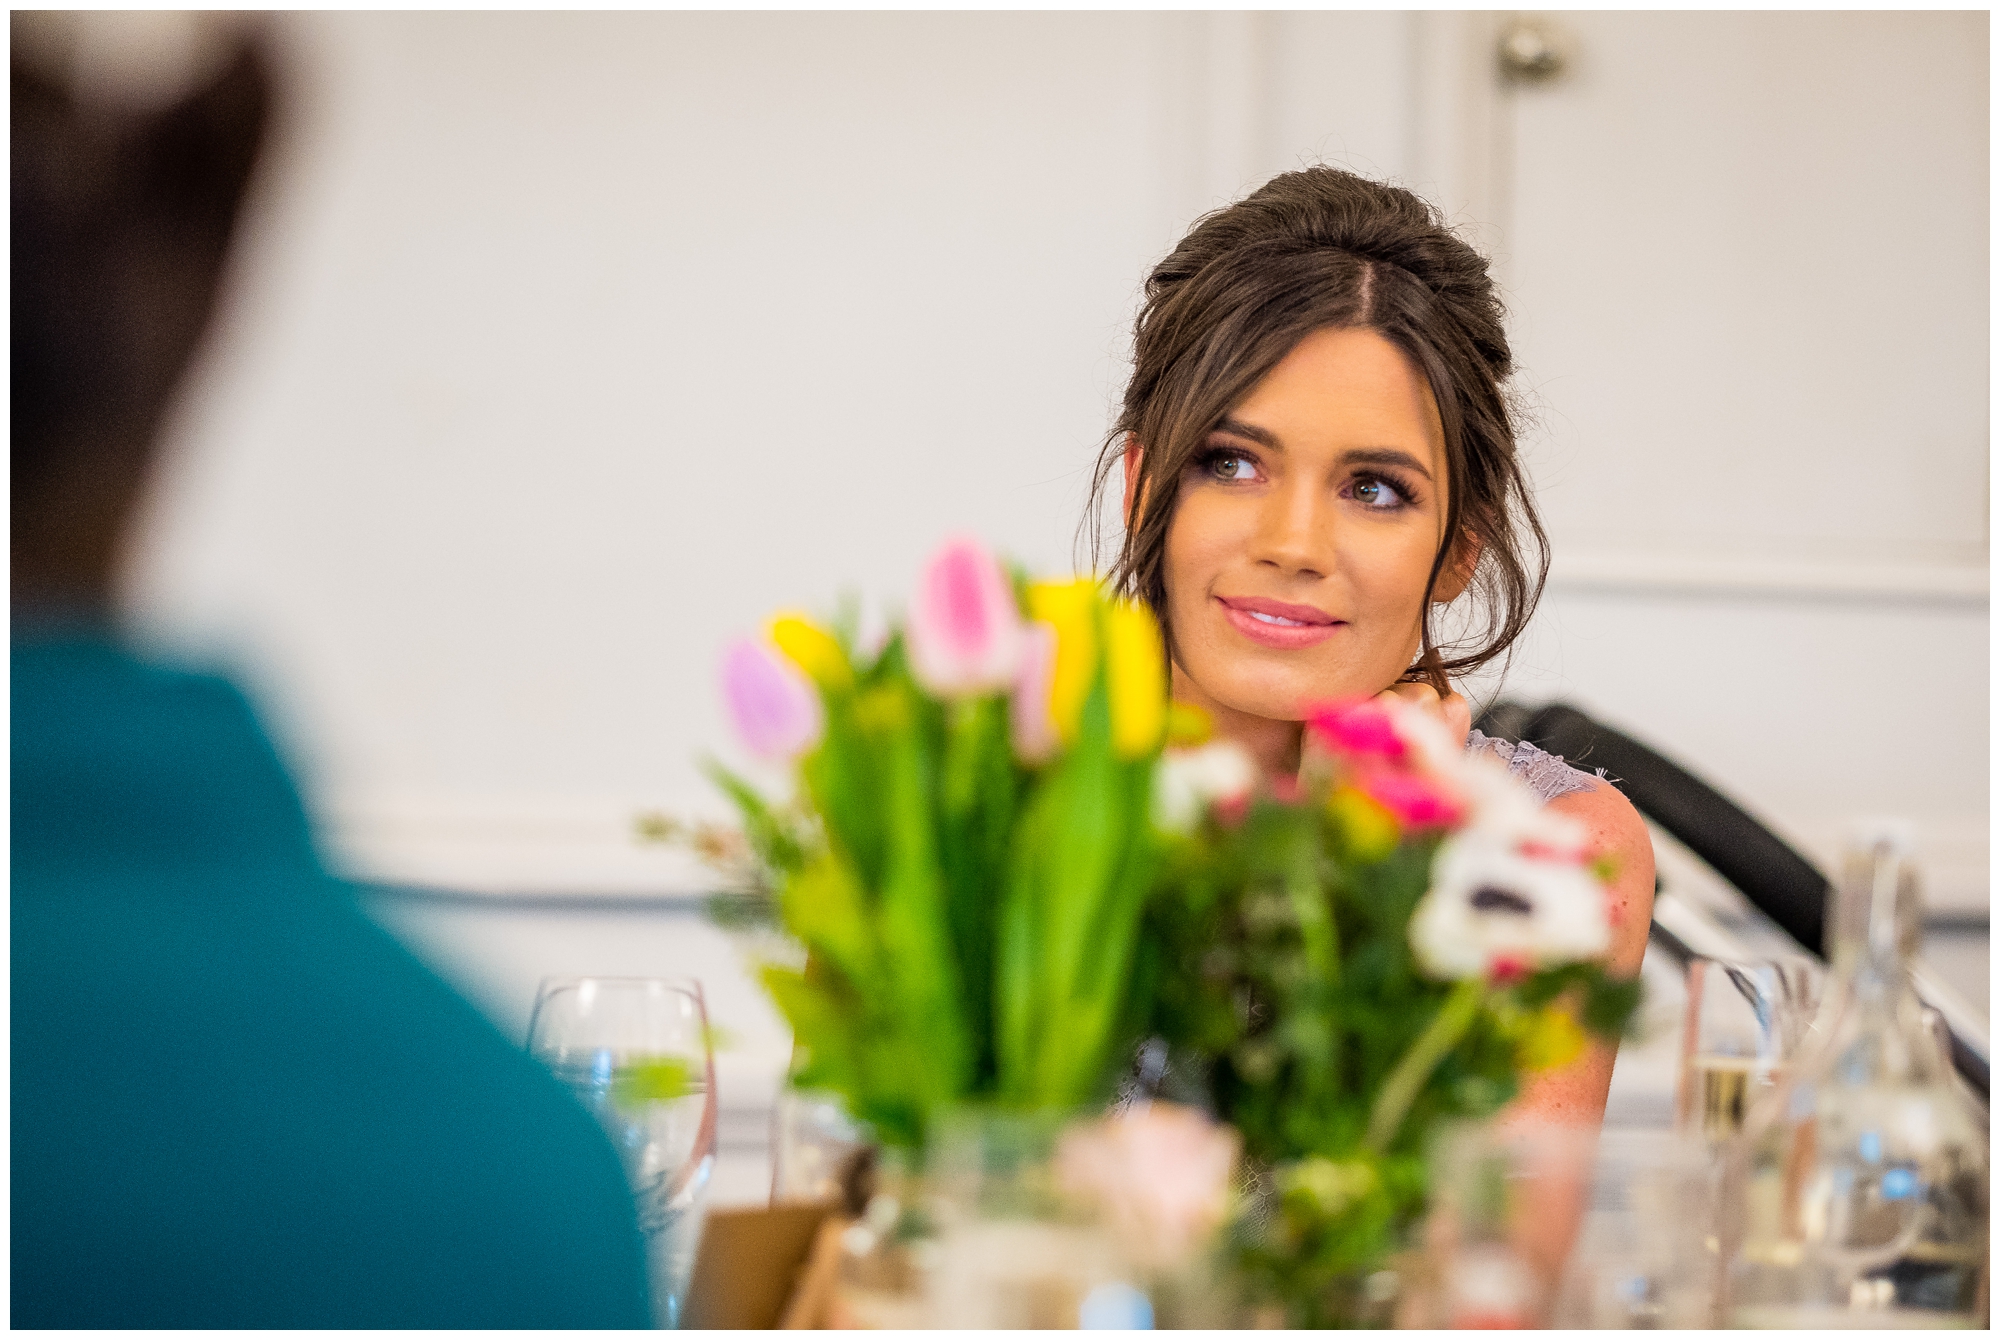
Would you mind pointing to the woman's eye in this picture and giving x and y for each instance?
(1232, 467)
(1378, 494)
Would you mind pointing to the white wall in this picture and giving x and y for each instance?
(565, 346)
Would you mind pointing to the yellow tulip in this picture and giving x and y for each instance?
(1136, 670)
(1188, 725)
(812, 649)
(1071, 609)
(1366, 824)
(1553, 1039)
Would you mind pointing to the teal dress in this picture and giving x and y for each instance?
(236, 1102)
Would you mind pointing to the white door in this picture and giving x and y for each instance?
(1746, 256)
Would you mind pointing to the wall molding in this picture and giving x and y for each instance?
(1957, 584)
(525, 848)
(558, 849)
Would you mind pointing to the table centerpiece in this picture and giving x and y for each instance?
(1008, 860)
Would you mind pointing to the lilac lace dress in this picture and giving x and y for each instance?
(1546, 774)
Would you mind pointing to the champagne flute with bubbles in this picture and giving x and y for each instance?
(1745, 1022)
(635, 1051)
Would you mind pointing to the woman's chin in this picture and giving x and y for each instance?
(1289, 702)
(1290, 697)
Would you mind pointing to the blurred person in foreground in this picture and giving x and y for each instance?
(236, 1102)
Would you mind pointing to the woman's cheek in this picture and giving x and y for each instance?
(1388, 583)
(1196, 543)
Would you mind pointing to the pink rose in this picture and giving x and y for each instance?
(1416, 801)
(964, 628)
(1159, 1173)
(775, 708)
(1357, 727)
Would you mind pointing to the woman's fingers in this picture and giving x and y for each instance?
(1457, 715)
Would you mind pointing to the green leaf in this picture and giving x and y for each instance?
(918, 960)
(825, 907)
(975, 827)
(1065, 864)
(770, 837)
(1610, 1004)
(842, 786)
(655, 1079)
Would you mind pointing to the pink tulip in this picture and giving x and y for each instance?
(1034, 727)
(776, 709)
(1417, 802)
(1357, 726)
(965, 629)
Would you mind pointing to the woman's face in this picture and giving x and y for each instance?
(1297, 559)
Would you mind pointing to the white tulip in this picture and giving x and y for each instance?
(1187, 781)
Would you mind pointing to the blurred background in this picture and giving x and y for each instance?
(561, 347)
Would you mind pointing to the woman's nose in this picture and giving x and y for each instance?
(1295, 532)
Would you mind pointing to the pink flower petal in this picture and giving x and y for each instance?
(1034, 727)
(775, 708)
(964, 627)
(1356, 726)
(1417, 802)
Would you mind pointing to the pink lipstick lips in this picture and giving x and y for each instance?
(1277, 624)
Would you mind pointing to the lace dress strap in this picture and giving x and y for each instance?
(1546, 774)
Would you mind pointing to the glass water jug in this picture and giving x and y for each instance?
(1856, 1195)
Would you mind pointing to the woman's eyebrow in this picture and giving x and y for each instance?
(1385, 456)
(1263, 437)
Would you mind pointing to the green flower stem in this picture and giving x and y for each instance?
(1320, 939)
(1461, 1007)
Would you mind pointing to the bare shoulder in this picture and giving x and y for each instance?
(1614, 824)
(1616, 831)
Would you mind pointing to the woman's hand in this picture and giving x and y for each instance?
(1453, 710)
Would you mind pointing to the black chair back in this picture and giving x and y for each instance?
(1783, 885)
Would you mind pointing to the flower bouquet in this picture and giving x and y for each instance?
(961, 872)
(1391, 942)
(969, 851)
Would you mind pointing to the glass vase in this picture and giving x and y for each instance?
(1016, 1250)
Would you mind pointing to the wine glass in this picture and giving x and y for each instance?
(1745, 1022)
(635, 1050)
(815, 1148)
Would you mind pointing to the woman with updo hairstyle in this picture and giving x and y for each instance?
(1323, 497)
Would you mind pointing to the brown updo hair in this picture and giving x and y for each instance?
(1315, 250)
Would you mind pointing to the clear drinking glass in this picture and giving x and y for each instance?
(814, 1148)
(1507, 1202)
(1744, 1023)
(635, 1050)
(1640, 1262)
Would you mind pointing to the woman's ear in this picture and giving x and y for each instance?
(1458, 569)
(1135, 457)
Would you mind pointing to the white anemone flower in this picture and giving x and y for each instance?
(1188, 781)
(1493, 909)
